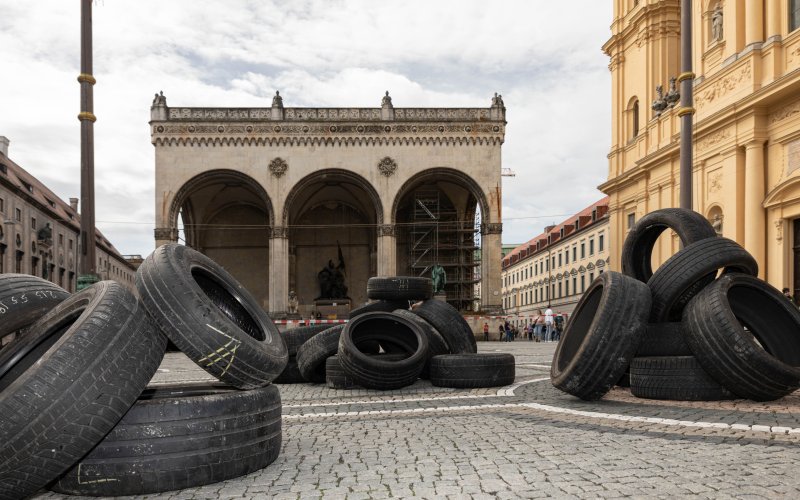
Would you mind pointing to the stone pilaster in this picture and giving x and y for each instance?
(754, 21)
(279, 272)
(491, 252)
(754, 225)
(387, 250)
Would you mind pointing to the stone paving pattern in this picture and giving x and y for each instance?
(430, 442)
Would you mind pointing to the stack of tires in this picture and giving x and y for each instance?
(385, 346)
(75, 410)
(700, 327)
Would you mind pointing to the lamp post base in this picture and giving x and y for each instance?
(87, 280)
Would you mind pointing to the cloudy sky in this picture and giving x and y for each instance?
(542, 56)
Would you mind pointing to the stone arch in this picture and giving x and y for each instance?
(325, 212)
(632, 121)
(227, 215)
(444, 174)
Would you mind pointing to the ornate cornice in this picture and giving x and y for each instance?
(227, 140)
(330, 114)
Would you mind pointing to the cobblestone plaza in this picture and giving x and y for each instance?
(527, 440)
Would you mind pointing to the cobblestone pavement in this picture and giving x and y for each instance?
(523, 441)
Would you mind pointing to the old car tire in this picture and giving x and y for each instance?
(674, 378)
(637, 249)
(684, 274)
(298, 336)
(291, 374)
(335, 376)
(450, 325)
(602, 336)
(24, 299)
(96, 355)
(179, 437)
(211, 317)
(311, 355)
(375, 372)
(761, 363)
(436, 344)
(469, 371)
(664, 339)
(400, 288)
(379, 306)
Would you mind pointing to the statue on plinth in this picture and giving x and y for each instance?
(439, 277)
(294, 303)
(331, 279)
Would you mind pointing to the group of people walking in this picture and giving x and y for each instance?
(543, 328)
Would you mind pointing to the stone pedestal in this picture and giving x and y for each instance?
(440, 296)
(333, 308)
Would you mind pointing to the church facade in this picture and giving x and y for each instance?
(277, 194)
(746, 117)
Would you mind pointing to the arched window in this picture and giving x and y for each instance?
(635, 127)
(632, 118)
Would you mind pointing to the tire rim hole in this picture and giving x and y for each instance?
(228, 304)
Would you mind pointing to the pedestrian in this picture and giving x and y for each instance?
(539, 325)
(507, 327)
(502, 335)
(548, 324)
(529, 331)
(485, 331)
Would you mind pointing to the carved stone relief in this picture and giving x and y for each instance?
(792, 157)
(386, 230)
(723, 86)
(492, 228)
(779, 230)
(387, 166)
(278, 167)
(714, 181)
(279, 232)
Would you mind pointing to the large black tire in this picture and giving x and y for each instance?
(760, 363)
(296, 337)
(311, 356)
(684, 274)
(674, 378)
(335, 376)
(211, 317)
(400, 288)
(450, 325)
(470, 371)
(68, 391)
(24, 299)
(436, 344)
(180, 437)
(379, 306)
(602, 336)
(291, 374)
(374, 372)
(664, 339)
(637, 250)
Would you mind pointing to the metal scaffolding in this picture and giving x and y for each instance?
(438, 236)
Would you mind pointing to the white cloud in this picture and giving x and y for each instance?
(543, 57)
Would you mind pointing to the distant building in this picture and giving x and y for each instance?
(556, 266)
(39, 233)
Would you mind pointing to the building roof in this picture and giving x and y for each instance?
(26, 185)
(552, 234)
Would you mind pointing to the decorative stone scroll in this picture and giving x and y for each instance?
(166, 233)
(386, 230)
(387, 166)
(492, 228)
(278, 167)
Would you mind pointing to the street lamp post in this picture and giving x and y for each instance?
(88, 274)
(686, 112)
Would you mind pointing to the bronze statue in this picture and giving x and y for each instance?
(439, 277)
(331, 279)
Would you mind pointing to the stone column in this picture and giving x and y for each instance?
(491, 257)
(754, 19)
(279, 272)
(166, 235)
(754, 226)
(773, 15)
(387, 250)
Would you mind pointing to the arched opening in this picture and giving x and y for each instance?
(227, 216)
(438, 214)
(326, 213)
(633, 118)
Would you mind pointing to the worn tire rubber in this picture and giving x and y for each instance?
(335, 376)
(291, 374)
(400, 288)
(211, 317)
(298, 336)
(97, 354)
(469, 371)
(24, 299)
(374, 372)
(664, 339)
(450, 325)
(181, 437)
(379, 306)
(674, 378)
(436, 344)
(602, 336)
(312, 355)
(684, 274)
(637, 250)
(762, 363)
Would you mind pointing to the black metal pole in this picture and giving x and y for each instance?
(87, 271)
(686, 111)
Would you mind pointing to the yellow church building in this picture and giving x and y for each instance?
(746, 122)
